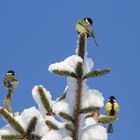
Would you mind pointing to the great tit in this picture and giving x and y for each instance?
(111, 109)
(85, 26)
(10, 81)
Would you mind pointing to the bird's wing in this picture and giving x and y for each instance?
(108, 108)
(89, 29)
(116, 107)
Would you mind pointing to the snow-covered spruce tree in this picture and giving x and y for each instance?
(73, 116)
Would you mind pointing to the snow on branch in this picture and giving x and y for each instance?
(57, 135)
(24, 124)
(13, 123)
(43, 98)
(92, 98)
(95, 132)
(61, 106)
(66, 67)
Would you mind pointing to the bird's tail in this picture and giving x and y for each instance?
(95, 41)
(110, 128)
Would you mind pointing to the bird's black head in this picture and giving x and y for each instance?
(89, 20)
(11, 71)
(112, 98)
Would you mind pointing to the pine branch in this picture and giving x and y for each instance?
(76, 116)
(89, 115)
(31, 126)
(8, 99)
(12, 121)
(19, 137)
(89, 109)
(107, 119)
(11, 137)
(81, 48)
(69, 127)
(51, 125)
(44, 100)
(79, 70)
(79, 73)
(66, 116)
(65, 73)
(96, 73)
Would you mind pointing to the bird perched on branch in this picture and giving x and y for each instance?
(111, 109)
(85, 26)
(10, 81)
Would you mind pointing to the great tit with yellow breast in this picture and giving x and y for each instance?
(85, 26)
(111, 109)
(10, 81)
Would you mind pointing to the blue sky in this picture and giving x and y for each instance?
(34, 34)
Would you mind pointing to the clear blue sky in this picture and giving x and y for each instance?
(34, 34)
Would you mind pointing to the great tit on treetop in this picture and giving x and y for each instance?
(10, 81)
(111, 109)
(85, 26)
